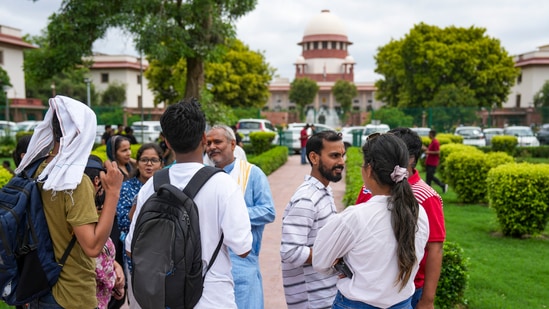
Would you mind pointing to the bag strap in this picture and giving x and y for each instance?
(161, 177)
(214, 255)
(67, 251)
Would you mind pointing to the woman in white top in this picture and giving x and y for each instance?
(380, 241)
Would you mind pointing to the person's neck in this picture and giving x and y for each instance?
(194, 156)
(224, 164)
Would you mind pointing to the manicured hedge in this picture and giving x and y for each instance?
(271, 160)
(505, 143)
(353, 175)
(453, 277)
(519, 194)
(261, 141)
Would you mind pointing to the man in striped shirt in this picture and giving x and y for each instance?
(307, 211)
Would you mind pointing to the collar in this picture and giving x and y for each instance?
(415, 178)
(315, 182)
(229, 167)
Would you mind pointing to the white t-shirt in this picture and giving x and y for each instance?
(363, 235)
(221, 209)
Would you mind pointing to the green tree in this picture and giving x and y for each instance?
(541, 101)
(4, 81)
(240, 78)
(344, 93)
(393, 117)
(416, 67)
(114, 95)
(302, 93)
(166, 31)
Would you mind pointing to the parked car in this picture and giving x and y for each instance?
(524, 134)
(543, 134)
(471, 135)
(422, 131)
(247, 126)
(491, 132)
(293, 133)
(146, 131)
(348, 133)
(27, 126)
(374, 128)
(8, 128)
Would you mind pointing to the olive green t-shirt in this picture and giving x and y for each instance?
(64, 209)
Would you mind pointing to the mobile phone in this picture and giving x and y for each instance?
(343, 268)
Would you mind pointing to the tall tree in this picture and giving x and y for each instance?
(344, 93)
(302, 93)
(114, 95)
(541, 100)
(416, 67)
(4, 82)
(164, 30)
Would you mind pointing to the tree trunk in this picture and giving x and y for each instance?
(195, 77)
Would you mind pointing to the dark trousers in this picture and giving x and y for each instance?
(431, 170)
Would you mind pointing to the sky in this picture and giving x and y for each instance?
(276, 26)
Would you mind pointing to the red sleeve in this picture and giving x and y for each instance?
(435, 214)
(363, 196)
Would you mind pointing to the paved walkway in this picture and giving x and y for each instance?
(284, 182)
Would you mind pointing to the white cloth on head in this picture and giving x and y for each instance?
(78, 124)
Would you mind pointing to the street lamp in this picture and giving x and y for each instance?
(88, 81)
(53, 89)
(5, 88)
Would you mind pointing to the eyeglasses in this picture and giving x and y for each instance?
(147, 160)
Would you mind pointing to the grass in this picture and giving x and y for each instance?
(504, 272)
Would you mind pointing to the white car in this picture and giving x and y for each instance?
(26, 126)
(146, 131)
(489, 133)
(471, 135)
(348, 133)
(8, 128)
(247, 126)
(524, 134)
(374, 128)
(293, 133)
(421, 131)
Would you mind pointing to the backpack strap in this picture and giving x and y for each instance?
(199, 179)
(67, 251)
(161, 177)
(214, 255)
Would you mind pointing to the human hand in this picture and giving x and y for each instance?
(112, 179)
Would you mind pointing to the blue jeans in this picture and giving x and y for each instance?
(416, 297)
(303, 155)
(341, 302)
(47, 302)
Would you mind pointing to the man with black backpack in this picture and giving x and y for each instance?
(223, 223)
(65, 138)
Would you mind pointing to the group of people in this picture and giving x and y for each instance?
(376, 254)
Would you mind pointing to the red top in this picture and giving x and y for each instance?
(303, 137)
(433, 159)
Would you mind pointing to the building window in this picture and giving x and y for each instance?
(334, 45)
(517, 104)
(315, 45)
(104, 77)
(1, 57)
(139, 79)
(519, 78)
(324, 45)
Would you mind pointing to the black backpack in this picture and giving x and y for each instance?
(28, 268)
(166, 247)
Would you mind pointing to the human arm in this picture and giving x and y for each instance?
(297, 224)
(334, 240)
(433, 265)
(92, 237)
(259, 198)
(235, 222)
(120, 282)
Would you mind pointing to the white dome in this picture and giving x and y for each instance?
(325, 23)
(349, 59)
(300, 60)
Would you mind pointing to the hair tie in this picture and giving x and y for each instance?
(399, 173)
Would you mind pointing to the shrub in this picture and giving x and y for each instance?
(445, 151)
(453, 277)
(271, 160)
(5, 176)
(261, 141)
(353, 175)
(505, 143)
(469, 172)
(101, 151)
(519, 194)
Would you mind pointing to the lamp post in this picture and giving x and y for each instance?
(5, 88)
(88, 81)
(53, 89)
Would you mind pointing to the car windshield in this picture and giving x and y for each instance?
(249, 125)
(520, 132)
(468, 132)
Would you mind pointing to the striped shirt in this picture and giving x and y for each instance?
(307, 211)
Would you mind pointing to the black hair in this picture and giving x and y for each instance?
(412, 141)
(93, 170)
(383, 153)
(183, 125)
(315, 143)
(21, 148)
(113, 144)
(142, 149)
